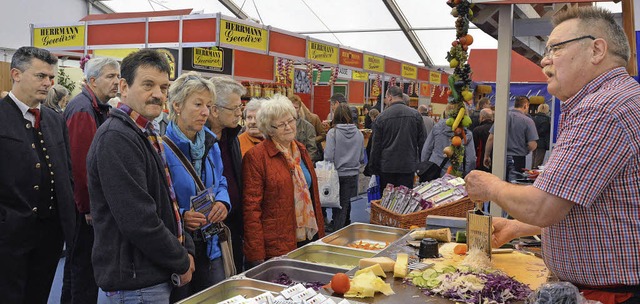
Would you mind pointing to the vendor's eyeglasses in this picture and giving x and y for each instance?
(290, 123)
(550, 50)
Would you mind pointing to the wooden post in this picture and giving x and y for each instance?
(629, 28)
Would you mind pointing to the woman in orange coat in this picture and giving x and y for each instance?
(281, 203)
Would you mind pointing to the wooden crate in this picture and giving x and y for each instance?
(383, 216)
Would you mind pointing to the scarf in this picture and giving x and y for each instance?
(196, 148)
(156, 141)
(306, 225)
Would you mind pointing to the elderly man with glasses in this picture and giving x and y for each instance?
(224, 122)
(587, 200)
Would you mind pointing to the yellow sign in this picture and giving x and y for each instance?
(114, 53)
(208, 58)
(322, 52)
(60, 36)
(363, 76)
(243, 35)
(374, 63)
(409, 71)
(435, 77)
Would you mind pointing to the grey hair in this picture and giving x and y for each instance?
(272, 109)
(253, 105)
(21, 59)
(405, 98)
(93, 67)
(485, 114)
(56, 93)
(600, 19)
(226, 86)
(183, 87)
(543, 108)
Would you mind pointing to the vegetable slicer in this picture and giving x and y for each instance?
(479, 230)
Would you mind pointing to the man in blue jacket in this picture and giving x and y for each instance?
(140, 245)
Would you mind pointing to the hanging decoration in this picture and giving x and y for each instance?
(310, 72)
(318, 68)
(392, 82)
(334, 75)
(459, 86)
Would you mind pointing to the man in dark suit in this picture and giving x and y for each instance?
(36, 190)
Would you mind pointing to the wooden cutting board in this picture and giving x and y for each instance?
(525, 268)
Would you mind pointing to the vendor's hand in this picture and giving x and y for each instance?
(487, 161)
(504, 231)
(194, 220)
(185, 278)
(479, 185)
(218, 212)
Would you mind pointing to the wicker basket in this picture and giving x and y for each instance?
(385, 217)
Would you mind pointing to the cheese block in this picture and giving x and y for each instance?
(376, 269)
(400, 269)
(385, 262)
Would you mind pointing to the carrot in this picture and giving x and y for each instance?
(460, 249)
(449, 170)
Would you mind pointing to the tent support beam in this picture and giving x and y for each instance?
(397, 14)
(237, 11)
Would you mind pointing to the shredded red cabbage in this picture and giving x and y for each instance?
(498, 288)
(284, 279)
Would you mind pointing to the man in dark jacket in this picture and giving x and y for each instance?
(84, 114)
(398, 137)
(36, 188)
(139, 245)
(223, 121)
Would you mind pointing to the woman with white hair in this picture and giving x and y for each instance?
(281, 201)
(57, 98)
(543, 126)
(252, 135)
(190, 99)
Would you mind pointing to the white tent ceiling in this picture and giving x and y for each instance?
(430, 19)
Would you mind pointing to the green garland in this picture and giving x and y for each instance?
(65, 81)
(459, 85)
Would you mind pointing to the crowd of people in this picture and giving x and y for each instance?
(154, 212)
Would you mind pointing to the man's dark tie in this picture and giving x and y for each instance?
(36, 113)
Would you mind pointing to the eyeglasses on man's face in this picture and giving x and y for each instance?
(550, 50)
(289, 123)
(237, 109)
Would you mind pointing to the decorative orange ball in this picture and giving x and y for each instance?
(456, 141)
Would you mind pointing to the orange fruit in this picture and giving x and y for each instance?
(456, 141)
(340, 283)
(469, 39)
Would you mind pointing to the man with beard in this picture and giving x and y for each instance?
(587, 200)
(252, 135)
(223, 121)
(36, 190)
(84, 114)
(140, 247)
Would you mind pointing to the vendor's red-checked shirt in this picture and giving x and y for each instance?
(596, 165)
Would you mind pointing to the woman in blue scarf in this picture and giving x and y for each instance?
(190, 99)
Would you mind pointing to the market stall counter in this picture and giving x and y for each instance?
(315, 264)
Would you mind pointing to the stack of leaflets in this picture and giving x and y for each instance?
(427, 195)
(297, 294)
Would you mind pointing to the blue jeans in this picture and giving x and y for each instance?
(154, 294)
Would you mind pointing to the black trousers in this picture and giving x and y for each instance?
(396, 179)
(29, 254)
(83, 283)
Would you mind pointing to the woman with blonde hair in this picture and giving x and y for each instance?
(281, 201)
(190, 100)
(543, 126)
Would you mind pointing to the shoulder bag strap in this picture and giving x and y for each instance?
(185, 162)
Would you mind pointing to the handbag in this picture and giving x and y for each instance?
(224, 238)
(429, 171)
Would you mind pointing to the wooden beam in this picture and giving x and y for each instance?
(629, 28)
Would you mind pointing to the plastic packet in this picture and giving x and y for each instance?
(557, 293)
